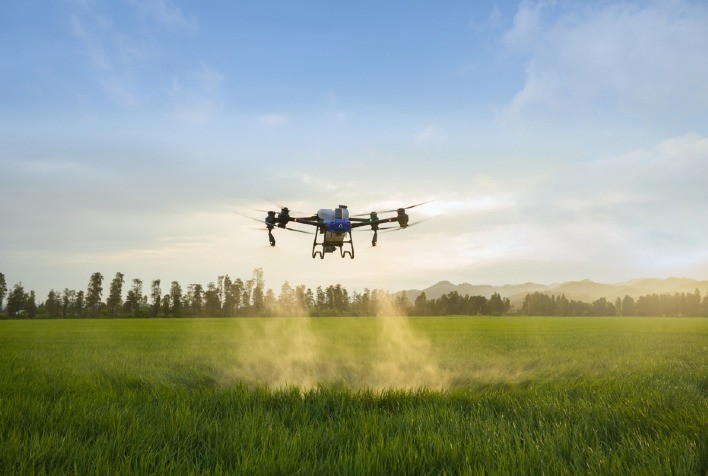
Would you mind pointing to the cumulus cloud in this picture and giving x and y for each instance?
(623, 56)
(633, 210)
(634, 214)
(527, 25)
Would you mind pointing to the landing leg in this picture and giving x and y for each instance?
(350, 251)
(315, 252)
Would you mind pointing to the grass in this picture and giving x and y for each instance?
(355, 396)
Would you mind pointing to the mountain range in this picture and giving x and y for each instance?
(585, 290)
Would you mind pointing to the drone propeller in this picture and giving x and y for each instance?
(250, 218)
(398, 228)
(286, 228)
(394, 210)
(406, 208)
(295, 229)
(280, 206)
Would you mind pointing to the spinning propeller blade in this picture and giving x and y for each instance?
(406, 208)
(280, 206)
(250, 218)
(395, 209)
(398, 228)
(295, 229)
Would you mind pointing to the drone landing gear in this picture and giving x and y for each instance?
(330, 242)
(271, 237)
(373, 240)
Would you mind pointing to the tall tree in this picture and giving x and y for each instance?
(237, 289)
(421, 304)
(320, 299)
(115, 295)
(498, 306)
(286, 300)
(17, 300)
(68, 297)
(31, 306)
(3, 289)
(53, 304)
(195, 298)
(270, 304)
(302, 306)
(134, 299)
(212, 302)
(693, 304)
(402, 302)
(166, 305)
(156, 294)
(258, 290)
(176, 298)
(628, 306)
(228, 297)
(80, 304)
(93, 294)
(221, 288)
(247, 292)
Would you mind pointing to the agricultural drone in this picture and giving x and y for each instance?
(333, 227)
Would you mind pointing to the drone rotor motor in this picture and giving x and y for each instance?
(402, 217)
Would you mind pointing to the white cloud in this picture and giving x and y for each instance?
(619, 56)
(637, 214)
(526, 27)
(119, 52)
(628, 210)
(166, 14)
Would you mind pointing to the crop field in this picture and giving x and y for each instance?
(510, 395)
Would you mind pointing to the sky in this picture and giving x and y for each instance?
(555, 140)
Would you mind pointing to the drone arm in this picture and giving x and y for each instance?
(307, 221)
(374, 223)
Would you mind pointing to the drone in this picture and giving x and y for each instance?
(333, 227)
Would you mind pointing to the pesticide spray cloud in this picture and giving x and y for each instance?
(280, 352)
(404, 358)
(294, 351)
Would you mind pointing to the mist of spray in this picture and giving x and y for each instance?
(403, 358)
(282, 352)
(286, 351)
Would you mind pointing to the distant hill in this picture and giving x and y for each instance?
(585, 290)
(444, 287)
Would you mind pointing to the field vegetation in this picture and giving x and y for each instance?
(505, 395)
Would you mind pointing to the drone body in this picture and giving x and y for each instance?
(333, 227)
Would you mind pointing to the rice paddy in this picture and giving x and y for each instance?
(355, 396)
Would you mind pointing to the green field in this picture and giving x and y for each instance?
(355, 395)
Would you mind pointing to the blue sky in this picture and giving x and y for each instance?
(558, 140)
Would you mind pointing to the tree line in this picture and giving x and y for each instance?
(227, 297)
(224, 297)
(666, 305)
